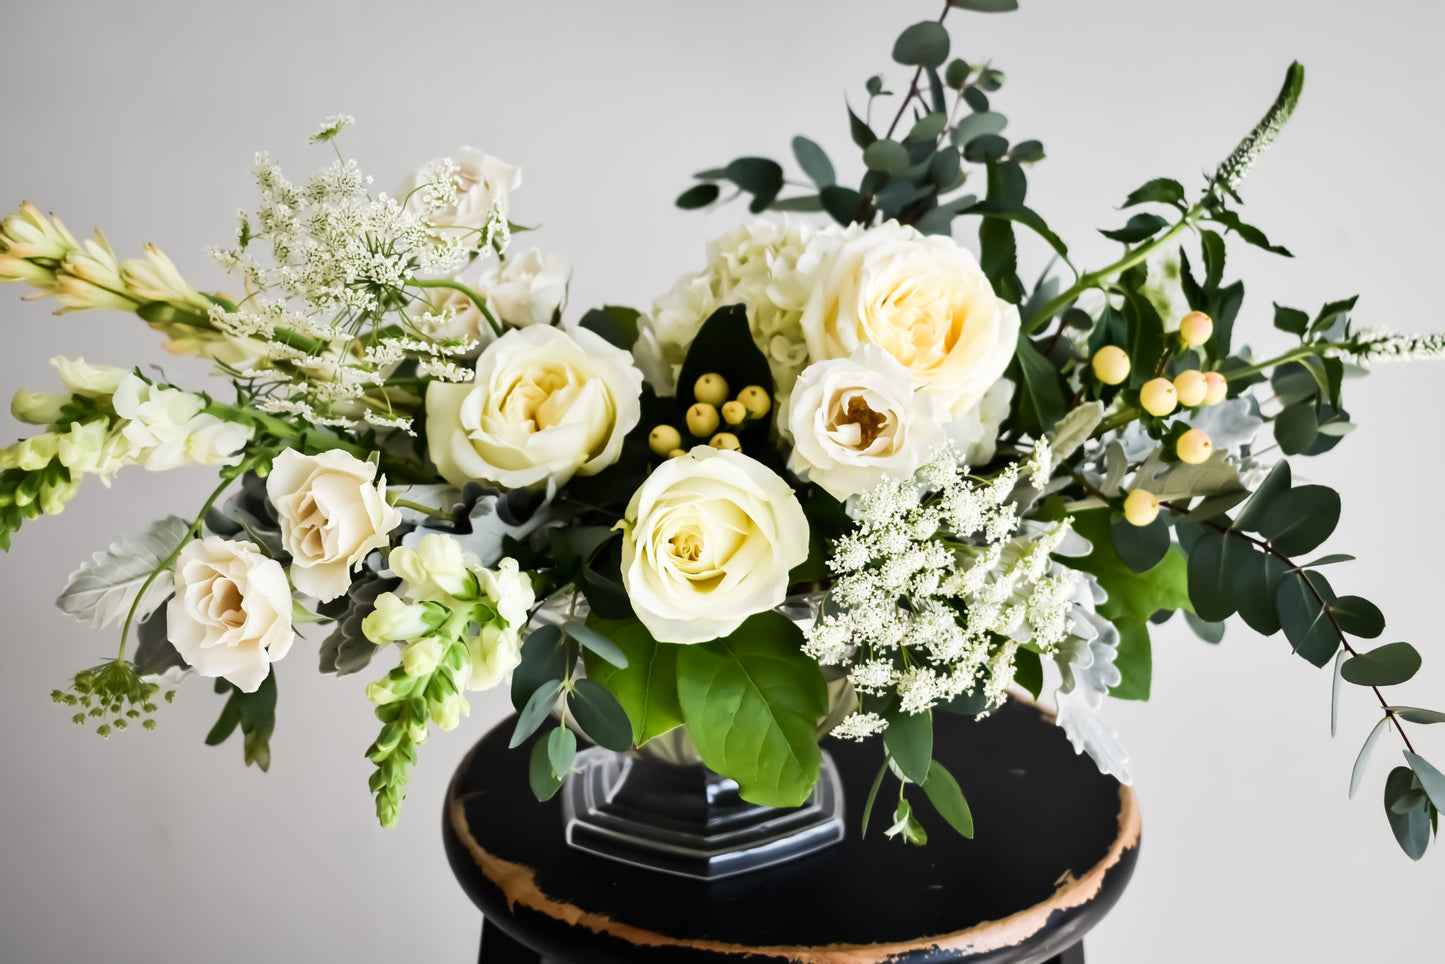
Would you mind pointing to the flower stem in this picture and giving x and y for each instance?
(475, 298)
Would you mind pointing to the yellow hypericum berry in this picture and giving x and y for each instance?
(1194, 446)
(1140, 507)
(711, 389)
(702, 419)
(1111, 364)
(756, 400)
(1217, 389)
(663, 439)
(725, 440)
(676, 454)
(1191, 387)
(1158, 396)
(734, 413)
(1195, 328)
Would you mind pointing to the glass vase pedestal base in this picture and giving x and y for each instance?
(689, 821)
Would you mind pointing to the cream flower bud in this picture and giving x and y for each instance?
(92, 448)
(436, 569)
(83, 378)
(167, 429)
(528, 289)
(37, 408)
(495, 652)
(156, 278)
(509, 590)
(447, 714)
(421, 656)
(90, 277)
(333, 513)
(393, 619)
(231, 614)
(32, 454)
(29, 234)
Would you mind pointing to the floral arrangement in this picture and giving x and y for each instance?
(846, 476)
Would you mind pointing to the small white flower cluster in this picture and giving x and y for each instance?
(1371, 345)
(939, 585)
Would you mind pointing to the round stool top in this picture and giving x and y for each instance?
(1055, 844)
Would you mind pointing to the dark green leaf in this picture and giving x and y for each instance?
(756, 175)
(1295, 428)
(1383, 666)
(561, 750)
(1211, 562)
(544, 657)
(872, 798)
(596, 642)
(928, 127)
(1331, 313)
(956, 75)
(806, 204)
(1140, 226)
(539, 707)
(1134, 660)
(943, 169)
(1274, 485)
(814, 161)
(947, 798)
(1248, 233)
(935, 92)
(1358, 773)
(647, 686)
(1256, 582)
(1139, 595)
(255, 714)
(977, 125)
(599, 714)
(1213, 247)
(1141, 547)
(875, 85)
(725, 345)
(998, 256)
(843, 203)
(1432, 781)
(751, 702)
(1358, 617)
(1411, 828)
(888, 157)
(1162, 190)
(1029, 671)
(1302, 518)
(985, 149)
(862, 134)
(1328, 560)
(924, 44)
(1291, 320)
(976, 99)
(697, 196)
(1042, 394)
(1028, 152)
(544, 782)
(986, 6)
(615, 323)
(909, 741)
(1302, 599)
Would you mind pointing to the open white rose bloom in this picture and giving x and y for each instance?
(854, 409)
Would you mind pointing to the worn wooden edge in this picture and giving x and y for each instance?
(518, 885)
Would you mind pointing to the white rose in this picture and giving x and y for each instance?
(527, 289)
(856, 419)
(546, 404)
(709, 540)
(482, 182)
(231, 615)
(925, 301)
(465, 319)
(333, 512)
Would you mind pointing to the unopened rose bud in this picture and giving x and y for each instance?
(1196, 328)
(1217, 390)
(1194, 446)
(1141, 508)
(1111, 364)
(725, 440)
(37, 408)
(734, 413)
(663, 439)
(702, 419)
(756, 400)
(1158, 396)
(1190, 387)
(711, 389)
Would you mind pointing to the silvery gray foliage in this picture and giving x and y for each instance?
(1086, 664)
(1231, 424)
(101, 591)
(484, 518)
(250, 515)
(1074, 429)
(347, 650)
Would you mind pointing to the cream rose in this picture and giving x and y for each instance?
(925, 301)
(709, 540)
(527, 289)
(333, 511)
(449, 313)
(856, 419)
(231, 615)
(546, 404)
(482, 181)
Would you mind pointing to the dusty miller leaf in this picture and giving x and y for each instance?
(1088, 670)
(1074, 429)
(100, 592)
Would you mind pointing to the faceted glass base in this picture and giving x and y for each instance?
(689, 821)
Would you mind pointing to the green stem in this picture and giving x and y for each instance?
(1118, 420)
(418, 507)
(166, 563)
(1294, 354)
(476, 299)
(1094, 278)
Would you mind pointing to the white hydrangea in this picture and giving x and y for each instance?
(766, 265)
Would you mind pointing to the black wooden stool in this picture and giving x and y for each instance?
(1055, 845)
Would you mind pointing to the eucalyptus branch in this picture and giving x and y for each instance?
(913, 90)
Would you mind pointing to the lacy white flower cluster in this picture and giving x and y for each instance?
(765, 265)
(939, 585)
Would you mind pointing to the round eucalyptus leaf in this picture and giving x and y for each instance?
(1384, 666)
(1358, 616)
(924, 44)
(1301, 519)
(697, 196)
(887, 157)
(599, 714)
(1296, 428)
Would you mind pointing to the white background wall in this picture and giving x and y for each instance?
(141, 117)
